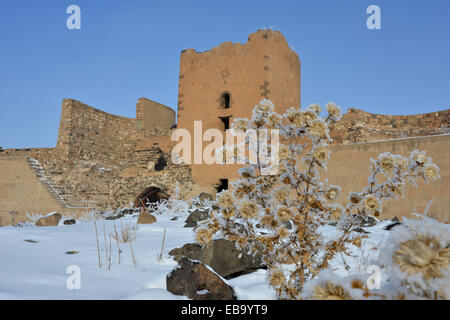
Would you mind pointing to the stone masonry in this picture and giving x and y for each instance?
(103, 161)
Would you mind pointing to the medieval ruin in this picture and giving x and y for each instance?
(104, 161)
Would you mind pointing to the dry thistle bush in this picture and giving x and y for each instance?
(280, 221)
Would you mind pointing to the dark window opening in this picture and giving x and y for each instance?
(160, 164)
(225, 101)
(226, 122)
(223, 185)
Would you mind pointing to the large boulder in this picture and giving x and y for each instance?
(198, 282)
(205, 196)
(51, 219)
(221, 255)
(146, 218)
(196, 216)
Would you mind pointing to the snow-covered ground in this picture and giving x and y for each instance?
(34, 261)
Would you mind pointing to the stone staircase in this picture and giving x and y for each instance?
(37, 168)
(40, 174)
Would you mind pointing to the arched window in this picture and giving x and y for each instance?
(225, 100)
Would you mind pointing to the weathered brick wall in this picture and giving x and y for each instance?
(87, 133)
(359, 126)
(153, 118)
(23, 192)
(349, 167)
(263, 67)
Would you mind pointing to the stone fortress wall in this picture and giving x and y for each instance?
(97, 162)
(104, 161)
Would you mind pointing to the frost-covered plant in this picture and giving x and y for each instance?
(416, 257)
(280, 220)
(172, 205)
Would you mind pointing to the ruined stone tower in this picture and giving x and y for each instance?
(224, 83)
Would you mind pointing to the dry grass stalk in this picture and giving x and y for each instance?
(109, 259)
(132, 253)
(98, 246)
(162, 246)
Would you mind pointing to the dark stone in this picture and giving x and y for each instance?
(369, 221)
(360, 230)
(395, 219)
(195, 217)
(69, 221)
(205, 196)
(221, 255)
(197, 282)
(392, 225)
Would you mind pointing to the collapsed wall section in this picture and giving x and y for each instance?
(360, 126)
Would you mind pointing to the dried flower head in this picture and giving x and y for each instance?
(431, 172)
(332, 193)
(336, 213)
(265, 106)
(283, 152)
(423, 255)
(225, 200)
(273, 120)
(330, 291)
(204, 236)
(419, 157)
(372, 203)
(319, 129)
(269, 221)
(284, 214)
(314, 108)
(281, 194)
(322, 154)
(333, 110)
(401, 162)
(247, 172)
(387, 162)
(249, 209)
(240, 124)
(283, 232)
(277, 278)
(298, 219)
(295, 117)
(354, 197)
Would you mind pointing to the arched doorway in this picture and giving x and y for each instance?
(150, 195)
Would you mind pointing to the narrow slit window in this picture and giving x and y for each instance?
(225, 101)
(226, 122)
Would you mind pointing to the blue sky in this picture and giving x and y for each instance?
(130, 49)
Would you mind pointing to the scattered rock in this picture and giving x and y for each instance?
(392, 225)
(198, 282)
(195, 217)
(205, 196)
(146, 218)
(221, 255)
(360, 230)
(395, 219)
(51, 219)
(369, 222)
(115, 216)
(69, 221)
